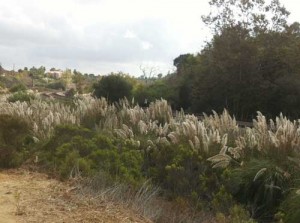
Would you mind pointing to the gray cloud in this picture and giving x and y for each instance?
(99, 35)
(97, 43)
(33, 34)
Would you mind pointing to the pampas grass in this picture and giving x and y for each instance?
(129, 121)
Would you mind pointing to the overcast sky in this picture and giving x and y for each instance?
(102, 36)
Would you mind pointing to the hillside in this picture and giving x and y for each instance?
(33, 197)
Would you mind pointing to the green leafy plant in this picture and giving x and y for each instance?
(21, 96)
(13, 134)
(113, 87)
(58, 85)
(259, 184)
(74, 151)
(18, 87)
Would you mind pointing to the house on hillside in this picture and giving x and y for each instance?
(56, 74)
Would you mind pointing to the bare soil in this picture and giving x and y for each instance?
(27, 196)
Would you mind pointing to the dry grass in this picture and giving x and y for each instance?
(145, 201)
(41, 199)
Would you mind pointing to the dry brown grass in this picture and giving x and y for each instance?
(145, 201)
(47, 200)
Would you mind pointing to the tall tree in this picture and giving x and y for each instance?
(78, 79)
(250, 62)
(36, 73)
(254, 15)
(113, 87)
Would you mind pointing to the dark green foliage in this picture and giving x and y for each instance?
(37, 73)
(14, 135)
(122, 164)
(144, 94)
(113, 87)
(64, 134)
(21, 96)
(236, 66)
(70, 157)
(182, 172)
(291, 208)
(18, 87)
(260, 185)
(238, 214)
(222, 200)
(57, 85)
(74, 150)
(9, 81)
(79, 80)
(251, 63)
(182, 82)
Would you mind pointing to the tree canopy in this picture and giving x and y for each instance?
(254, 15)
(113, 87)
(251, 63)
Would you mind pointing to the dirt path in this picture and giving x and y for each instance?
(32, 197)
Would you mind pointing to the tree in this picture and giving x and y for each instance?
(254, 15)
(66, 77)
(113, 87)
(249, 64)
(78, 79)
(147, 93)
(228, 74)
(36, 73)
(149, 72)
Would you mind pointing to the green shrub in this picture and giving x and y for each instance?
(14, 134)
(18, 87)
(260, 184)
(222, 200)
(113, 87)
(77, 151)
(153, 91)
(21, 96)
(291, 207)
(62, 134)
(237, 214)
(181, 171)
(56, 85)
(9, 81)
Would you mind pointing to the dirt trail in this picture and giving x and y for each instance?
(32, 197)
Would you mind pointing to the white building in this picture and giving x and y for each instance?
(54, 74)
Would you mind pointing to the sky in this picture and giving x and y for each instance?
(103, 36)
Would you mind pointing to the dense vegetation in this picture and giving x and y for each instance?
(251, 64)
(113, 88)
(210, 164)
